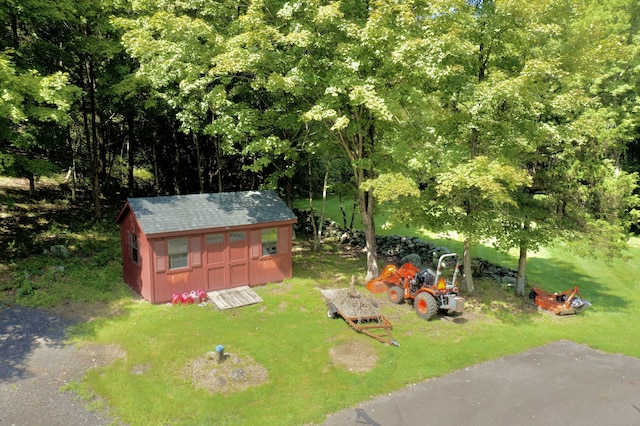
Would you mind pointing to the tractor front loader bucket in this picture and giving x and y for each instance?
(392, 275)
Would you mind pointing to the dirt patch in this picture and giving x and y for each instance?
(354, 356)
(96, 356)
(139, 369)
(233, 374)
(90, 311)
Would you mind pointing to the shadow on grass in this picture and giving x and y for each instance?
(551, 274)
(90, 317)
(331, 265)
(33, 223)
(23, 330)
(557, 275)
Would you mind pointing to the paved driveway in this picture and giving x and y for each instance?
(562, 383)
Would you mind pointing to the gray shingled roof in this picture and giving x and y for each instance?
(158, 215)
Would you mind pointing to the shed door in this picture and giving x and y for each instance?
(216, 262)
(227, 260)
(238, 258)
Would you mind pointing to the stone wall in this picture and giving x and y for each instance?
(399, 249)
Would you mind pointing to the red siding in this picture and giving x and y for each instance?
(223, 262)
(132, 271)
(272, 268)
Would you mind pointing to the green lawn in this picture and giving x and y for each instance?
(291, 337)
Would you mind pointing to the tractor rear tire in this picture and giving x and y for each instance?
(395, 294)
(426, 306)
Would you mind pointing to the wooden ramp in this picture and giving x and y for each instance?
(234, 297)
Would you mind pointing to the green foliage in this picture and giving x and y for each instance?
(29, 103)
(25, 167)
(257, 85)
(91, 273)
(390, 186)
(520, 151)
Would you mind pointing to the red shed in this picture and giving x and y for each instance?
(177, 244)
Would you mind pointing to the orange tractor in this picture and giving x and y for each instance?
(429, 291)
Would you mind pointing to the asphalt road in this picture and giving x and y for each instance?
(562, 383)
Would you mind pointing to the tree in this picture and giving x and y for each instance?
(357, 67)
(480, 127)
(351, 67)
(519, 156)
(580, 194)
(30, 103)
(37, 95)
(182, 53)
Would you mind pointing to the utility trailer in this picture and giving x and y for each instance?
(359, 312)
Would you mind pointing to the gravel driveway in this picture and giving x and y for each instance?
(34, 363)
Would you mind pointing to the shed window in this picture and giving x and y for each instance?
(134, 248)
(269, 241)
(215, 239)
(237, 236)
(178, 253)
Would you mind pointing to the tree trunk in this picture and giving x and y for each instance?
(72, 171)
(32, 185)
(366, 204)
(522, 265)
(353, 212)
(92, 136)
(91, 149)
(365, 201)
(288, 185)
(73, 181)
(467, 268)
(130, 152)
(198, 161)
(218, 163)
(359, 147)
(474, 138)
(312, 214)
(176, 156)
(14, 29)
(324, 202)
(106, 163)
(156, 177)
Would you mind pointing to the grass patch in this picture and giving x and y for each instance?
(89, 271)
(289, 335)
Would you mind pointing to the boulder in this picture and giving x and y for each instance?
(59, 251)
(412, 258)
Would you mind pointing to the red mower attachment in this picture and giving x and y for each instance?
(568, 302)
